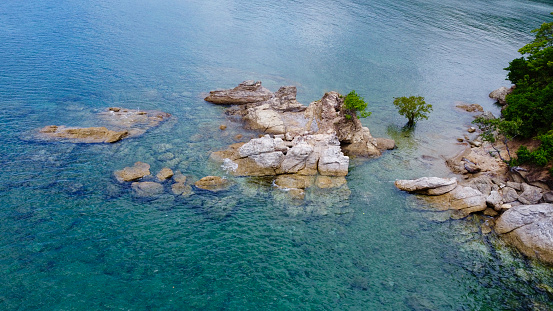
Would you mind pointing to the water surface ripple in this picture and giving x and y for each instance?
(73, 239)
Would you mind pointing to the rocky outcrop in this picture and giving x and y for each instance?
(304, 147)
(529, 228)
(269, 156)
(500, 94)
(123, 123)
(474, 195)
(473, 160)
(83, 135)
(246, 92)
(281, 114)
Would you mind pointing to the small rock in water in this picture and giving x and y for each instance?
(471, 129)
(164, 174)
(222, 127)
(132, 173)
(181, 188)
(179, 177)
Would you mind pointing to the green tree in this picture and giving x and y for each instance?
(357, 105)
(414, 108)
(532, 99)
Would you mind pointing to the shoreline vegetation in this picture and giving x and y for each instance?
(512, 192)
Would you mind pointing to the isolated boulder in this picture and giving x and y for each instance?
(500, 94)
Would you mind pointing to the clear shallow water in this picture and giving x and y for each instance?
(72, 239)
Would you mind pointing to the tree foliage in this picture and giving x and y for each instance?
(532, 99)
(414, 108)
(357, 105)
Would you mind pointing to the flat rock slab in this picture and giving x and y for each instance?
(121, 123)
(428, 185)
(132, 173)
(83, 135)
(530, 229)
(246, 92)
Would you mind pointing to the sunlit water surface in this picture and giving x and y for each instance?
(73, 239)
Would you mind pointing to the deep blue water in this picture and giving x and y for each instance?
(72, 239)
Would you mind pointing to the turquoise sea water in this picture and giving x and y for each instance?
(71, 238)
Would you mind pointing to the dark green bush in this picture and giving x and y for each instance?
(523, 155)
(356, 104)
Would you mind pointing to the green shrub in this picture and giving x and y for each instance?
(532, 99)
(524, 155)
(356, 104)
(414, 108)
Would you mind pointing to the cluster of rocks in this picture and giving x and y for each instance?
(123, 123)
(309, 146)
(523, 213)
(280, 113)
(146, 186)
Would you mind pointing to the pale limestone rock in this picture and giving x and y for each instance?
(530, 229)
(333, 162)
(427, 185)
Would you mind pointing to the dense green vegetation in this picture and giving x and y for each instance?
(532, 99)
(356, 105)
(531, 102)
(414, 108)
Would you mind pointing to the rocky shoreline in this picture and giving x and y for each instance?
(301, 146)
(518, 209)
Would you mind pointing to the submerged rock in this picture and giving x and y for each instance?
(147, 189)
(213, 183)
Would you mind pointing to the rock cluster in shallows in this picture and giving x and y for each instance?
(146, 186)
(525, 212)
(302, 146)
(123, 123)
(280, 113)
